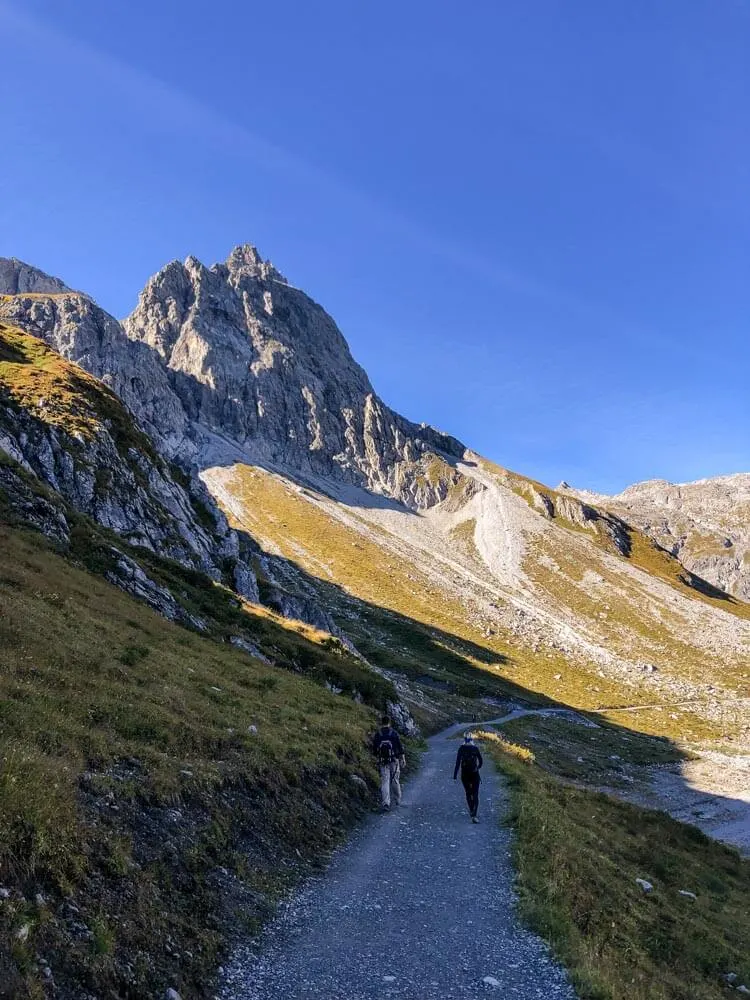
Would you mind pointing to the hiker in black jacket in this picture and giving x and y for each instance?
(389, 753)
(469, 759)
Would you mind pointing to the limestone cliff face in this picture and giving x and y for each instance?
(705, 524)
(17, 277)
(259, 365)
(80, 331)
(74, 434)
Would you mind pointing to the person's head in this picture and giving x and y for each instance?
(385, 722)
(468, 737)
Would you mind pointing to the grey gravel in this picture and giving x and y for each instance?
(419, 905)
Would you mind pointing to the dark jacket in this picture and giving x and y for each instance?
(388, 733)
(469, 759)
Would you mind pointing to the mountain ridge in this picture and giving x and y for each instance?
(705, 523)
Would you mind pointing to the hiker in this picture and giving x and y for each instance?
(389, 754)
(469, 759)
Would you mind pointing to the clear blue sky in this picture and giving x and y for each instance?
(530, 219)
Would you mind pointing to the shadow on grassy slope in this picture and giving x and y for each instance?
(143, 821)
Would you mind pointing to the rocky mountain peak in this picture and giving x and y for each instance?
(264, 371)
(17, 277)
(245, 260)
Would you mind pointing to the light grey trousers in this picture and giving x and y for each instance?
(389, 781)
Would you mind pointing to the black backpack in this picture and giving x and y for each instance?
(385, 752)
(470, 762)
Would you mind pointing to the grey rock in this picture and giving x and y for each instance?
(30, 507)
(644, 884)
(249, 647)
(261, 367)
(570, 508)
(15, 277)
(402, 718)
(128, 490)
(705, 524)
(129, 576)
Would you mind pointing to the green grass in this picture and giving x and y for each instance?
(36, 379)
(110, 717)
(578, 854)
(605, 755)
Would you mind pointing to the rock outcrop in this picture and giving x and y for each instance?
(17, 277)
(260, 367)
(704, 524)
(75, 435)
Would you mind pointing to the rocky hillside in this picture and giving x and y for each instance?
(705, 524)
(67, 428)
(379, 529)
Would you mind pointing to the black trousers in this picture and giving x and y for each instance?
(470, 781)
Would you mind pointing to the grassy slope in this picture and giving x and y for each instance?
(401, 619)
(110, 716)
(422, 621)
(35, 378)
(644, 553)
(407, 615)
(578, 854)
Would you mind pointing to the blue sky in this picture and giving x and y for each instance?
(530, 220)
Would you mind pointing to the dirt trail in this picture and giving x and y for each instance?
(418, 906)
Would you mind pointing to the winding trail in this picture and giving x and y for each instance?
(419, 905)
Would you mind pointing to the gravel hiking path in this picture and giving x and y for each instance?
(419, 905)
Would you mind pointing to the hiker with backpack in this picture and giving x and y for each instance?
(469, 760)
(389, 754)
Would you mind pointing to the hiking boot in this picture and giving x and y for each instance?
(474, 819)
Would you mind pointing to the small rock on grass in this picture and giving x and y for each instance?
(690, 895)
(172, 995)
(646, 886)
(743, 989)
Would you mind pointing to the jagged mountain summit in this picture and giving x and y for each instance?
(16, 277)
(258, 365)
(705, 524)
